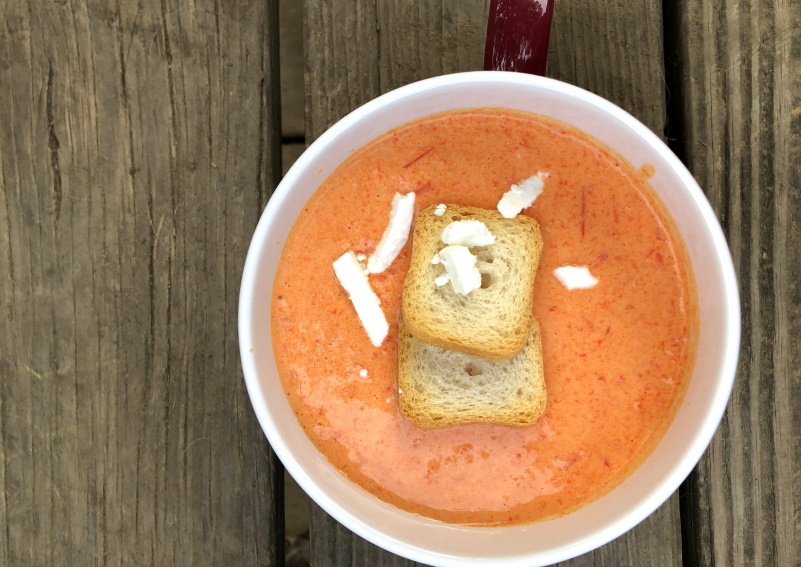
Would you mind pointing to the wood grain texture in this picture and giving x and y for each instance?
(138, 142)
(738, 66)
(613, 49)
(293, 123)
(358, 50)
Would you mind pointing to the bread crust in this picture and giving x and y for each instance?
(491, 322)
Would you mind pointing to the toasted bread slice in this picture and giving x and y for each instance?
(492, 321)
(440, 388)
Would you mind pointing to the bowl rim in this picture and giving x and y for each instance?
(660, 492)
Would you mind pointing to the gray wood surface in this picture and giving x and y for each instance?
(293, 121)
(358, 50)
(739, 102)
(138, 143)
(613, 49)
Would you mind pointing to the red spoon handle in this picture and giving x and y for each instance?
(517, 36)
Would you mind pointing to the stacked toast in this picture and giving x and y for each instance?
(472, 357)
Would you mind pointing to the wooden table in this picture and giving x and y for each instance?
(139, 142)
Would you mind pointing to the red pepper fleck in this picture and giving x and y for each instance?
(421, 156)
(424, 187)
(583, 205)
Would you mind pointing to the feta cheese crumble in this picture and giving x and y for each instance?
(520, 196)
(575, 277)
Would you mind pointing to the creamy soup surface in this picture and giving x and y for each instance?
(617, 357)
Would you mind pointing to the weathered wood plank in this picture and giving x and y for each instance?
(738, 70)
(293, 121)
(613, 49)
(364, 48)
(418, 40)
(358, 50)
(341, 52)
(138, 142)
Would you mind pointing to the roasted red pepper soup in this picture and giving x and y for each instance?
(617, 357)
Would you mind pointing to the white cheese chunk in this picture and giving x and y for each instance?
(353, 279)
(460, 265)
(435, 259)
(520, 196)
(575, 277)
(363, 373)
(467, 233)
(442, 280)
(440, 209)
(395, 235)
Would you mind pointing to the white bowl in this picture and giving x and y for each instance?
(546, 542)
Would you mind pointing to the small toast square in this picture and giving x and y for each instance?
(440, 388)
(492, 321)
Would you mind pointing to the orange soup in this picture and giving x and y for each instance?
(617, 356)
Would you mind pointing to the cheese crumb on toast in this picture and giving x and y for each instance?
(492, 321)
